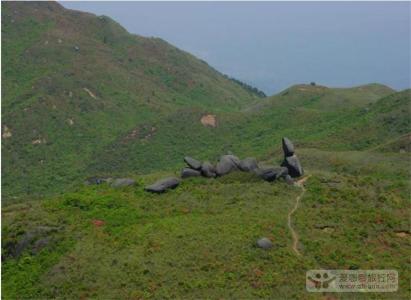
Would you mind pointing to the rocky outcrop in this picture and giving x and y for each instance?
(32, 241)
(290, 167)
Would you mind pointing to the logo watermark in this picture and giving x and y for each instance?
(352, 281)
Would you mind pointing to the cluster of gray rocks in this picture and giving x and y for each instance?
(289, 169)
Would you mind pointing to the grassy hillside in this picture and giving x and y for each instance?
(258, 130)
(198, 241)
(74, 82)
(83, 97)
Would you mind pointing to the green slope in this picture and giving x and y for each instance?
(73, 82)
(69, 112)
(256, 131)
(198, 241)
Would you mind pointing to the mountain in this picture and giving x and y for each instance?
(74, 82)
(82, 97)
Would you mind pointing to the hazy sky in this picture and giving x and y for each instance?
(273, 45)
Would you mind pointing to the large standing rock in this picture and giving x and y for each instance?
(248, 164)
(292, 163)
(226, 164)
(271, 173)
(207, 169)
(187, 172)
(288, 147)
(120, 182)
(192, 163)
(163, 185)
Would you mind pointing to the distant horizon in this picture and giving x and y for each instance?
(334, 44)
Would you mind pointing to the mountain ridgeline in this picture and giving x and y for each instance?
(83, 97)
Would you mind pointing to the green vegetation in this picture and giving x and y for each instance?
(248, 87)
(82, 97)
(198, 240)
(76, 82)
(73, 114)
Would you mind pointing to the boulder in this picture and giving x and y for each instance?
(288, 147)
(264, 243)
(121, 182)
(207, 169)
(271, 173)
(192, 163)
(163, 185)
(187, 172)
(236, 161)
(248, 164)
(292, 163)
(226, 164)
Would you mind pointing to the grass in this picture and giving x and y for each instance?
(198, 241)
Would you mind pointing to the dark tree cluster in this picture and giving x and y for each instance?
(248, 87)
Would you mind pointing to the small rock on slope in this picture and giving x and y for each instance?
(187, 172)
(192, 163)
(264, 243)
(163, 185)
(121, 182)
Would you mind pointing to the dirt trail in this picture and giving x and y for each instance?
(299, 183)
